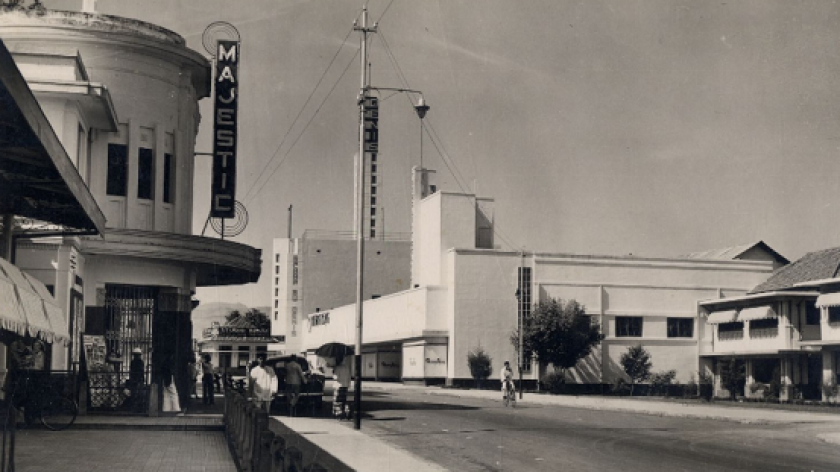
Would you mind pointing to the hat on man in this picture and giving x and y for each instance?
(136, 350)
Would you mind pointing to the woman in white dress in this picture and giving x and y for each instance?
(170, 391)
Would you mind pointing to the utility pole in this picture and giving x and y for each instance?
(360, 217)
(521, 299)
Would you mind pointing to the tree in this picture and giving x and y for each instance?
(636, 364)
(255, 317)
(732, 375)
(558, 332)
(481, 364)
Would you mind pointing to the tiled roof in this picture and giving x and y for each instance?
(240, 322)
(812, 266)
(734, 252)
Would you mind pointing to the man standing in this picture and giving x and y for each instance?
(136, 374)
(264, 382)
(207, 381)
(294, 379)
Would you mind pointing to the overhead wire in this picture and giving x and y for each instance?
(297, 117)
(292, 146)
(435, 139)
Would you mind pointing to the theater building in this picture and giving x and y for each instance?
(464, 294)
(122, 97)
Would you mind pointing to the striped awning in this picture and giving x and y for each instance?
(757, 313)
(828, 299)
(725, 316)
(27, 307)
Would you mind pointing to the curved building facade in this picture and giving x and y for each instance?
(122, 96)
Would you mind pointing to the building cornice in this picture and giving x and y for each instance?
(217, 262)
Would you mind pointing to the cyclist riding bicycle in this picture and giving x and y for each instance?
(507, 380)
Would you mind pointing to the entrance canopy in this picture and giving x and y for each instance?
(27, 307)
(37, 179)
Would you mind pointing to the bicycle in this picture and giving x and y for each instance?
(42, 401)
(510, 394)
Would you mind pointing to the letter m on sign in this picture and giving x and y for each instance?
(227, 51)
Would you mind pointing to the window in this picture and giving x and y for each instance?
(373, 212)
(244, 355)
(834, 314)
(294, 270)
(276, 303)
(276, 291)
(628, 326)
(680, 327)
(275, 315)
(373, 167)
(373, 190)
(812, 314)
(117, 170)
(145, 173)
(168, 178)
(731, 327)
(294, 295)
(277, 269)
(373, 179)
(277, 258)
(768, 323)
(372, 233)
(373, 200)
(276, 280)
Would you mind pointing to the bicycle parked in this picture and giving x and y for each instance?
(41, 401)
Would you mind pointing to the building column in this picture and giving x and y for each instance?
(829, 376)
(749, 380)
(786, 371)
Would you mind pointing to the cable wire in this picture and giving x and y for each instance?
(292, 146)
(300, 112)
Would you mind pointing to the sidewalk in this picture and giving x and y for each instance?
(193, 441)
(354, 448)
(659, 408)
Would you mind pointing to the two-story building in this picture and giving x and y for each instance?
(786, 330)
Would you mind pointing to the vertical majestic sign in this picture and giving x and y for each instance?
(223, 188)
(372, 126)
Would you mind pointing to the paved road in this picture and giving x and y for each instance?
(469, 435)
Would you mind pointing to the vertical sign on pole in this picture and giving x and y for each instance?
(223, 188)
(371, 147)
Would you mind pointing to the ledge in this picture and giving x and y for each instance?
(217, 262)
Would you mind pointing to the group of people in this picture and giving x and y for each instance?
(207, 373)
(263, 383)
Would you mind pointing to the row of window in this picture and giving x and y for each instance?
(632, 327)
(118, 173)
(812, 314)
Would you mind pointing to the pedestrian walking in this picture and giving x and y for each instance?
(207, 381)
(263, 383)
(341, 374)
(194, 369)
(294, 380)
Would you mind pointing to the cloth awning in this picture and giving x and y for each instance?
(828, 299)
(718, 317)
(27, 307)
(757, 313)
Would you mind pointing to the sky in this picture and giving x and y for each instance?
(654, 128)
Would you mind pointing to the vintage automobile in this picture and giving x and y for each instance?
(311, 393)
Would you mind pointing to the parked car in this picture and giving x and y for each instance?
(311, 393)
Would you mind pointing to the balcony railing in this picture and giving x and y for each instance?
(764, 333)
(731, 335)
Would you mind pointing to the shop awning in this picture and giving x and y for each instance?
(37, 179)
(828, 299)
(718, 317)
(27, 307)
(757, 313)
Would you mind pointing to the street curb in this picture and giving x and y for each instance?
(607, 407)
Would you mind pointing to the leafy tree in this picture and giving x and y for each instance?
(559, 332)
(636, 364)
(255, 317)
(481, 364)
(732, 375)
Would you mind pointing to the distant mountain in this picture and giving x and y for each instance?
(206, 313)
